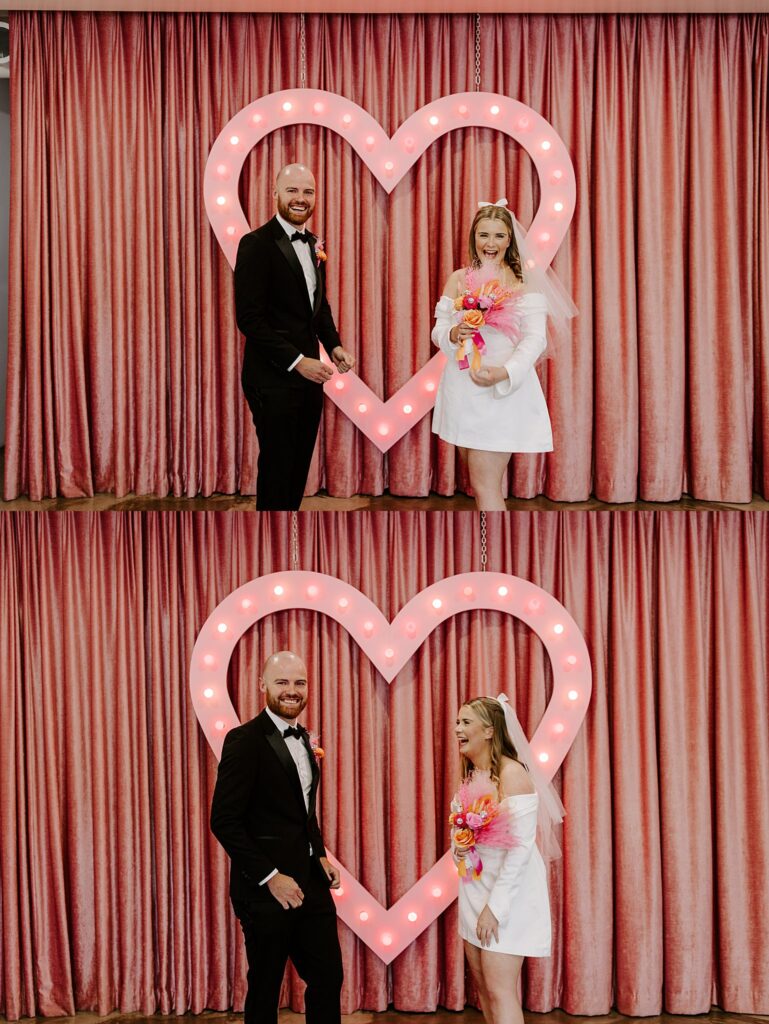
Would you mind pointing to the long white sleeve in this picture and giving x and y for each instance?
(531, 346)
(445, 318)
(513, 868)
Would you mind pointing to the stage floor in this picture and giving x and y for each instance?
(469, 1016)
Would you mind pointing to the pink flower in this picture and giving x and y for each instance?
(470, 302)
(474, 820)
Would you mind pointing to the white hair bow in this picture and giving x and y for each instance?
(485, 202)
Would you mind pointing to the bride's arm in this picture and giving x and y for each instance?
(445, 315)
(531, 346)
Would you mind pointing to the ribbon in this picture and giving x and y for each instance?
(479, 347)
(473, 856)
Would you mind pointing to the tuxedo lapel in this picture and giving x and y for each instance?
(315, 772)
(287, 249)
(278, 744)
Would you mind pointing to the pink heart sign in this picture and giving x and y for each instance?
(389, 159)
(389, 645)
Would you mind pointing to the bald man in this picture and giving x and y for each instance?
(282, 309)
(263, 814)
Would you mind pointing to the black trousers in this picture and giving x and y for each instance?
(308, 937)
(286, 421)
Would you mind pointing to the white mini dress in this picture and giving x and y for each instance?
(509, 417)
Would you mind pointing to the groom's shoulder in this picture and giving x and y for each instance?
(247, 731)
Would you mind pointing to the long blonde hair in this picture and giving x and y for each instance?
(490, 712)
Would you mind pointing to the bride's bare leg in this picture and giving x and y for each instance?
(486, 472)
(473, 954)
(500, 979)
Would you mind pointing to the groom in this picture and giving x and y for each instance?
(263, 814)
(282, 309)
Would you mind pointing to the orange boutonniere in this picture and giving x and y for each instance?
(320, 252)
(316, 748)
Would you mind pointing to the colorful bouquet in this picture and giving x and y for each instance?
(486, 301)
(477, 817)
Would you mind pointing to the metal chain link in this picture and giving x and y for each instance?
(294, 541)
(302, 53)
(484, 546)
(477, 53)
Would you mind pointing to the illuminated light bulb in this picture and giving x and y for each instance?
(288, 106)
(545, 236)
(389, 166)
(408, 409)
(222, 627)
(494, 110)
(362, 407)
(219, 725)
(234, 140)
(370, 140)
(363, 915)
(558, 628)
(339, 384)
(245, 603)
(523, 123)
(411, 628)
(437, 603)
(312, 590)
(208, 693)
(368, 627)
(571, 659)
(220, 200)
(463, 110)
(347, 119)
(338, 892)
(558, 207)
(256, 118)
(343, 602)
(389, 654)
(559, 727)
(543, 757)
(412, 916)
(409, 144)
(531, 264)
(437, 891)
(503, 591)
(230, 230)
(384, 430)
(557, 175)
(534, 604)
(278, 591)
(546, 144)
(208, 659)
(433, 120)
(467, 591)
(430, 385)
(221, 169)
(318, 108)
(387, 939)
(572, 695)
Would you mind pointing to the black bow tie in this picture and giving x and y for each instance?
(300, 236)
(293, 730)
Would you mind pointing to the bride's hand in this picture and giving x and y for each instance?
(488, 376)
(487, 927)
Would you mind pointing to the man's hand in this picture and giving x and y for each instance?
(488, 376)
(487, 927)
(331, 872)
(343, 361)
(286, 891)
(314, 369)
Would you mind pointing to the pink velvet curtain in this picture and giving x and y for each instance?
(124, 354)
(114, 893)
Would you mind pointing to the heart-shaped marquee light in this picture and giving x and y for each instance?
(389, 646)
(389, 159)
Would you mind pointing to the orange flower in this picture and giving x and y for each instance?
(463, 838)
(474, 317)
(459, 303)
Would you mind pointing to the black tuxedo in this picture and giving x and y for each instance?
(259, 816)
(274, 313)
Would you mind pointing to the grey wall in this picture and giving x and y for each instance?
(5, 166)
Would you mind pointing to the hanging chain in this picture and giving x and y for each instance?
(294, 541)
(484, 547)
(477, 53)
(302, 53)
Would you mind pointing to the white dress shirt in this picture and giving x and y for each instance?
(301, 758)
(305, 257)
